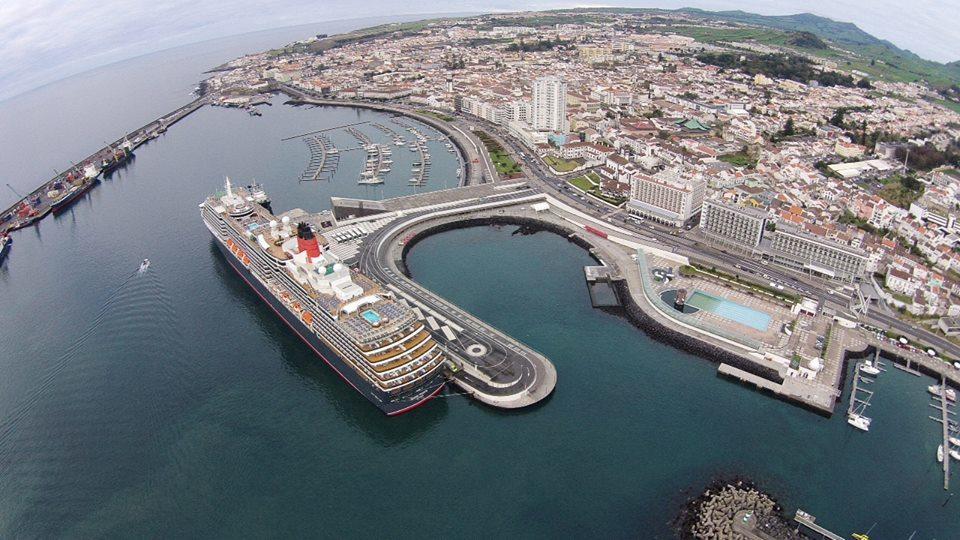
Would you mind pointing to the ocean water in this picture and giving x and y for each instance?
(174, 403)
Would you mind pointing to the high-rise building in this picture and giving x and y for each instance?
(815, 255)
(549, 111)
(670, 197)
(734, 226)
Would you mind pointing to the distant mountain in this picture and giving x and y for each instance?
(876, 57)
(842, 33)
(849, 36)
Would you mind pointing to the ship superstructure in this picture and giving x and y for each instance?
(374, 342)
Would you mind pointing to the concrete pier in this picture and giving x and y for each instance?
(136, 138)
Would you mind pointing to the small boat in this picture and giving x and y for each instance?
(144, 265)
(859, 421)
(5, 242)
(935, 390)
(955, 454)
(868, 368)
(954, 441)
(940, 454)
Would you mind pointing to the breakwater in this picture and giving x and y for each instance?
(38, 204)
(768, 380)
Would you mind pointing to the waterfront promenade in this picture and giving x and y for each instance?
(762, 364)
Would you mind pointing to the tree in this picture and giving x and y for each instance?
(788, 128)
(837, 118)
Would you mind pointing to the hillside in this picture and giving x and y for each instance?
(861, 51)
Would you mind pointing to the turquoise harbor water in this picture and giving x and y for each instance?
(175, 404)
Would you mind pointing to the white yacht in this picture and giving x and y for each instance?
(935, 390)
(868, 368)
(859, 421)
(940, 454)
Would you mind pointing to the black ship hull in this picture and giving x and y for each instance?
(112, 166)
(67, 201)
(391, 405)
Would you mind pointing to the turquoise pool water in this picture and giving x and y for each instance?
(729, 309)
(371, 316)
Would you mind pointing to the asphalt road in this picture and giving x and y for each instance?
(688, 243)
(503, 360)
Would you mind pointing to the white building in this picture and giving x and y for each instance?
(668, 197)
(816, 255)
(733, 226)
(549, 109)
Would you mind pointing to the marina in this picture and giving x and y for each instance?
(378, 159)
(324, 159)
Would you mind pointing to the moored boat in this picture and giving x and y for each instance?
(362, 331)
(868, 368)
(859, 421)
(935, 390)
(5, 242)
(71, 194)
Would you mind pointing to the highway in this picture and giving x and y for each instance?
(687, 243)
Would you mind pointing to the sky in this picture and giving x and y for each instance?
(45, 40)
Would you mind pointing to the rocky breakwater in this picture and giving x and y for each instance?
(734, 510)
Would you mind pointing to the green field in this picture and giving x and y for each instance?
(590, 183)
(561, 165)
(739, 159)
(505, 165)
(581, 182)
(438, 116)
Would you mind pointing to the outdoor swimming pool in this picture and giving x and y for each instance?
(371, 317)
(729, 310)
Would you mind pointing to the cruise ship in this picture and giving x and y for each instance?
(374, 342)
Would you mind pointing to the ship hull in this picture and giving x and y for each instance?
(111, 167)
(67, 201)
(384, 401)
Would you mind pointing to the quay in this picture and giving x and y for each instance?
(407, 219)
(808, 525)
(945, 424)
(41, 202)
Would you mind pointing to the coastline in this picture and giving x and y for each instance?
(631, 310)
